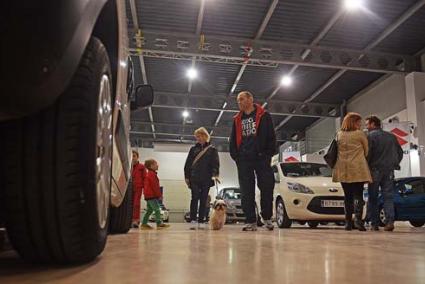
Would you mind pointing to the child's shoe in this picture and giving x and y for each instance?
(162, 226)
(145, 227)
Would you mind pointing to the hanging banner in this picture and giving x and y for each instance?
(401, 130)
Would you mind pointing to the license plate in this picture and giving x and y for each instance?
(332, 203)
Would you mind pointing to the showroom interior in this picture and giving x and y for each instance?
(307, 63)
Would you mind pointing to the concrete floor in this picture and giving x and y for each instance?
(296, 255)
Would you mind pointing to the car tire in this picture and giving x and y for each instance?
(55, 170)
(282, 218)
(302, 223)
(122, 216)
(313, 224)
(340, 223)
(417, 224)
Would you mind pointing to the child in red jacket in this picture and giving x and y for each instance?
(152, 193)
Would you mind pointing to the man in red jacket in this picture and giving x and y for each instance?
(152, 193)
(252, 145)
(138, 175)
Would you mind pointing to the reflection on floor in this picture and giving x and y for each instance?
(296, 255)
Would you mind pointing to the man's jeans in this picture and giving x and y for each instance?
(383, 179)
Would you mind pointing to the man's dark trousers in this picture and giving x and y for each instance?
(383, 179)
(248, 169)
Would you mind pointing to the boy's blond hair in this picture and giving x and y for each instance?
(149, 163)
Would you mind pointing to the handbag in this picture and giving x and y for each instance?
(331, 155)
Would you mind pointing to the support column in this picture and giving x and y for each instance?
(415, 98)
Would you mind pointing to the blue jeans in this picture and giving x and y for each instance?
(383, 179)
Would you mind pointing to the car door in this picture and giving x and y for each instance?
(412, 193)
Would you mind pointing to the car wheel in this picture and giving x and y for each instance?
(282, 218)
(302, 223)
(56, 169)
(417, 223)
(324, 223)
(122, 216)
(259, 219)
(340, 223)
(313, 224)
(382, 219)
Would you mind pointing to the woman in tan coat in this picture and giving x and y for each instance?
(351, 168)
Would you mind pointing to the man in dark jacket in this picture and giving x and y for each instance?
(385, 155)
(200, 170)
(252, 145)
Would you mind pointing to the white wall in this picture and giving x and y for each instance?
(320, 135)
(384, 100)
(171, 175)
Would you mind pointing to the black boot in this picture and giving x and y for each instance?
(358, 209)
(348, 225)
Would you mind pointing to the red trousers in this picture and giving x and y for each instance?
(137, 195)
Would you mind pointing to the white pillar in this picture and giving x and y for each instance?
(415, 98)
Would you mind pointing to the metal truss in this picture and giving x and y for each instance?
(268, 53)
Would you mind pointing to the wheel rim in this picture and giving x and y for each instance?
(280, 213)
(103, 151)
(382, 216)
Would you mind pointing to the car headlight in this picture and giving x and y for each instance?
(299, 188)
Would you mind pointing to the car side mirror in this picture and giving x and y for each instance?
(143, 97)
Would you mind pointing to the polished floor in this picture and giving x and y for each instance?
(296, 255)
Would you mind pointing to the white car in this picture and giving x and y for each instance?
(165, 214)
(304, 192)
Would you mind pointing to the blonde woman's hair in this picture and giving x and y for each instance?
(349, 122)
(203, 131)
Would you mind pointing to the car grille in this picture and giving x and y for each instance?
(315, 206)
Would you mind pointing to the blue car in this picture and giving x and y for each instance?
(409, 201)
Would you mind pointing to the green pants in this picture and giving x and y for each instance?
(153, 206)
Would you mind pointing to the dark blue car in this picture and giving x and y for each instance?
(409, 201)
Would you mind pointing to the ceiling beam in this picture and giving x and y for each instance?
(258, 35)
(141, 60)
(298, 113)
(271, 53)
(384, 34)
(306, 52)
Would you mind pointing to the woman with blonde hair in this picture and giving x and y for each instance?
(200, 170)
(351, 168)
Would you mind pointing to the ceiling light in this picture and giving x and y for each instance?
(286, 81)
(185, 114)
(192, 73)
(352, 5)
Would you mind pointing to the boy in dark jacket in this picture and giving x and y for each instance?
(252, 145)
(152, 193)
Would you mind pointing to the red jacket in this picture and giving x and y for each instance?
(152, 189)
(138, 174)
(238, 123)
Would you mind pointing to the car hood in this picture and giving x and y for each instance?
(316, 183)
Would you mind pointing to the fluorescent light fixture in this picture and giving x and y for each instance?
(286, 81)
(192, 73)
(353, 5)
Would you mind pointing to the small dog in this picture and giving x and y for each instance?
(218, 216)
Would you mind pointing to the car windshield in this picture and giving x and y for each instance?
(232, 193)
(305, 170)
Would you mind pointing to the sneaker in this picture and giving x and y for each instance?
(202, 226)
(145, 227)
(250, 227)
(193, 225)
(389, 227)
(162, 226)
(269, 225)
